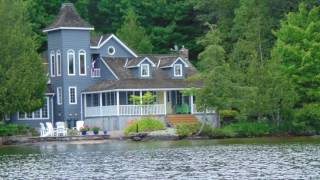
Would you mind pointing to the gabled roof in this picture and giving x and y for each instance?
(127, 80)
(132, 63)
(68, 18)
(170, 62)
(97, 43)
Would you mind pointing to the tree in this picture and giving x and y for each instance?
(22, 77)
(297, 47)
(134, 35)
(146, 99)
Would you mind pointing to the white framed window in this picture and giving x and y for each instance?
(58, 58)
(82, 62)
(52, 64)
(72, 95)
(71, 63)
(145, 70)
(111, 50)
(59, 95)
(177, 68)
(42, 113)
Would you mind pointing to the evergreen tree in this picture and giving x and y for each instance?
(22, 77)
(134, 35)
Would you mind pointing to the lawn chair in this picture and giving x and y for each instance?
(61, 129)
(43, 130)
(79, 125)
(51, 130)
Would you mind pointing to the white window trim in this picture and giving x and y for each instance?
(174, 70)
(71, 51)
(58, 63)
(41, 114)
(83, 52)
(114, 50)
(59, 95)
(75, 94)
(52, 67)
(148, 70)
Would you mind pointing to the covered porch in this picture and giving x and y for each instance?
(119, 103)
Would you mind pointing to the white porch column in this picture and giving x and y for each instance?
(100, 100)
(165, 101)
(85, 105)
(118, 103)
(140, 102)
(191, 104)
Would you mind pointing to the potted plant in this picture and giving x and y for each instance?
(84, 130)
(95, 130)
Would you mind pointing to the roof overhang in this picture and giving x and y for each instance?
(69, 28)
(143, 89)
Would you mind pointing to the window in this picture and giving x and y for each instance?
(177, 68)
(111, 50)
(145, 70)
(52, 64)
(72, 95)
(71, 63)
(82, 62)
(58, 63)
(59, 95)
(42, 113)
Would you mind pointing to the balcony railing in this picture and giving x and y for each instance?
(95, 72)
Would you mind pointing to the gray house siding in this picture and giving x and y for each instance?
(120, 51)
(35, 122)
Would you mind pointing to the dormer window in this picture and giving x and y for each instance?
(145, 70)
(111, 50)
(177, 68)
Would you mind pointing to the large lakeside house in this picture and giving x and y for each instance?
(92, 79)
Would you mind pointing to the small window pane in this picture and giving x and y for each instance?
(72, 96)
(45, 108)
(82, 64)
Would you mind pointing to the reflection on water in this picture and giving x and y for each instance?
(212, 159)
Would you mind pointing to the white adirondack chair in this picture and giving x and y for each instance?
(61, 129)
(43, 130)
(51, 130)
(79, 125)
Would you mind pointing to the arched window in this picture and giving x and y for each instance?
(52, 64)
(82, 62)
(58, 63)
(71, 63)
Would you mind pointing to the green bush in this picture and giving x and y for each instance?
(247, 129)
(185, 130)
(307, 120)
(16, 129)
(228, 116)
(145, 125)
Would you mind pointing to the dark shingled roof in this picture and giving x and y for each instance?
(96, 39)
(68, 17)
(127, 80)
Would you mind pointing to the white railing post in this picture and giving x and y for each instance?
(100, 103)
(118, 103)
(191, 104)
(141, 108)
(165, 101)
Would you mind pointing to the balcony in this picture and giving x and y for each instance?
(95, 72)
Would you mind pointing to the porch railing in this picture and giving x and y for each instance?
(155, 109)
(95, 72)
(98, 111)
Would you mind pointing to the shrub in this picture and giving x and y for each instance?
(247, 129)
(144, 125)
(185, 130)
(85, 129)
(228, 116)
(307, 120)
(15, 129)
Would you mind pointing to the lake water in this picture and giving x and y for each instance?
(264, 158)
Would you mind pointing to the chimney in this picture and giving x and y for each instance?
(184, 53)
